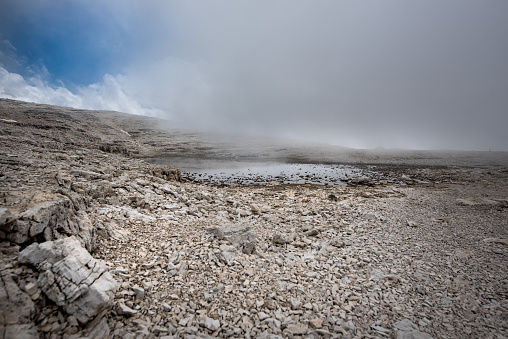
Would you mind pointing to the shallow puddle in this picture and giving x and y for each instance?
(220, 172)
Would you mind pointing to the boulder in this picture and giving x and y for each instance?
(38, 216)
(240, 236)
(71, 278)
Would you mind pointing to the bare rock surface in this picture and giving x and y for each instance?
(426, 259)
(71, 278)
(36, 216)
(16, 310)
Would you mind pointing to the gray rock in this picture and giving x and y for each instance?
(218, 288)
(71, 278)
(133, 214)
(262, 316)
(496, 241)
(140, 292)
(412, 223)
(363, 180)
(249, 247)
(408, 330)
(113, 231)
(412, 335)
(280, 239)
(20, 331)
(6, 219)
(324, 333)
(88, 174)
(102, 191)
(123, 309)
(267, 335)
(9, 250)
(377, 275)
(405, 325)
(311, 233)
(165, 172)
(316, 323)
(243, 213)
(380, 329)
(350, 326)
(297, 329)
(101, 330)
(42, 216)
(240, 236)
(31, 288)
(159, 329)
(228, 256)
(212, 324)
(16, 310)
(295, 303)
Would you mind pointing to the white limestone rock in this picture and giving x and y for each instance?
(71, 278)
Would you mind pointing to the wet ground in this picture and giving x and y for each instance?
(228, 171)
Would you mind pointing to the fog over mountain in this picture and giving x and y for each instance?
(425, 75)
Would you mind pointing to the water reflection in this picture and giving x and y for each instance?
(224, 172)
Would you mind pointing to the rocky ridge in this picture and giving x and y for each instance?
(179, 259)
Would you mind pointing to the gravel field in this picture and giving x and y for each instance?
(419, 250)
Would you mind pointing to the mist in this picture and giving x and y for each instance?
(396, 74)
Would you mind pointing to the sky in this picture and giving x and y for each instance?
(395, 73)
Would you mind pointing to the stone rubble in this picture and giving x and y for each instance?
(109, 247)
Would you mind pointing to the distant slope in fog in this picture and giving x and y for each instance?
(142, 136)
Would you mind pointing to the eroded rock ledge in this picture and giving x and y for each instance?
(71, 278)
(56, 165)
(54, 287)
(37, 216)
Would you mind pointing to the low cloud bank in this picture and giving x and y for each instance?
(419, 75)
(106, 95)
(14, 86)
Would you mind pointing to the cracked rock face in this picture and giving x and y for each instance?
(71, 278)
(16, 310)
(39, 216)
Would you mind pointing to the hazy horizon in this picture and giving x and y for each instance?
(394, 74)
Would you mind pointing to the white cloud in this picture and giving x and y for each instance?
(394, 73)
(106, 95)
(109, 95)
(427, 74)
(14, 86)
(178, 88)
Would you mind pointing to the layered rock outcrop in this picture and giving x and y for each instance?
(71, 278)
(59, 289)
(37, 216)
(17, 310)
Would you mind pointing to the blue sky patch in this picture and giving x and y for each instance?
(77, 43)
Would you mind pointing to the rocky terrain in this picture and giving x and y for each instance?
(97, 243)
